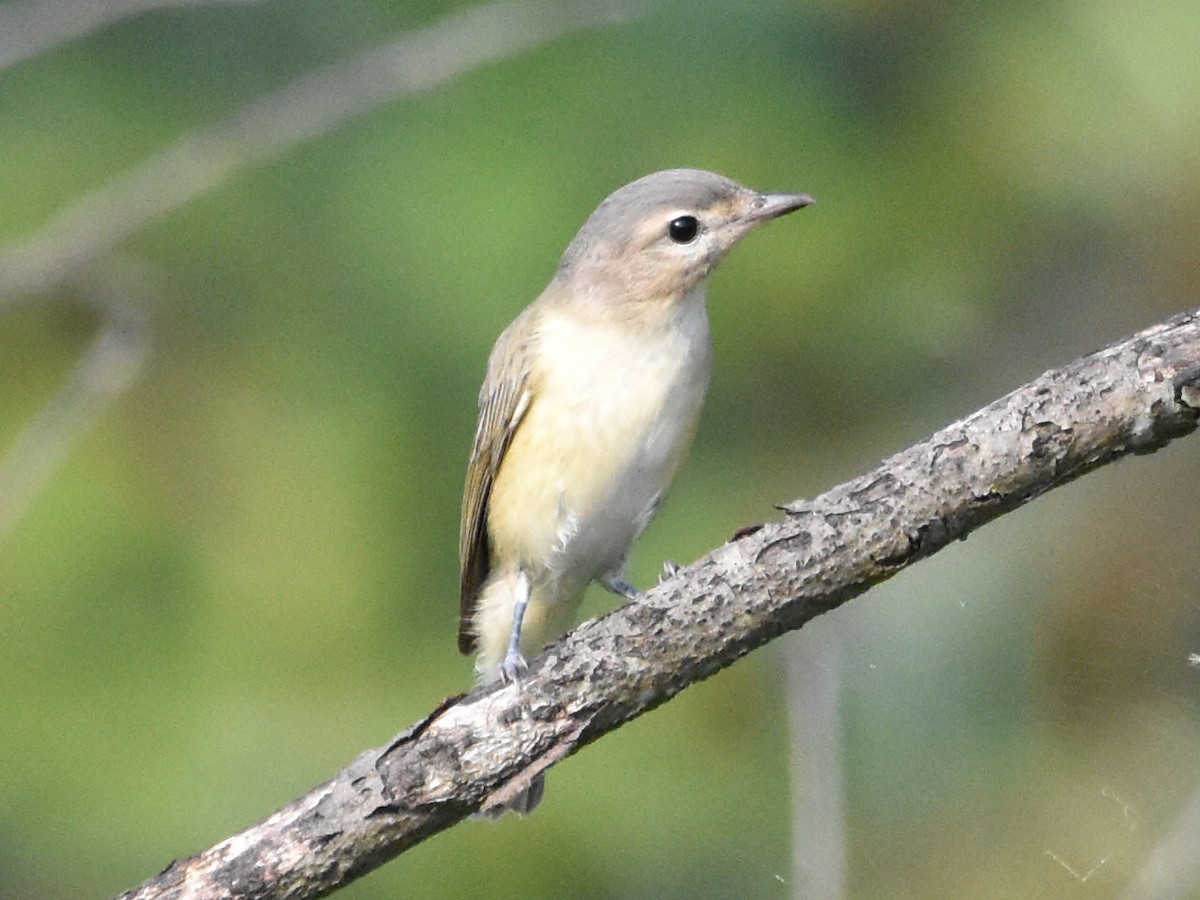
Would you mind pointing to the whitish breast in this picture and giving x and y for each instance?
(612, 418)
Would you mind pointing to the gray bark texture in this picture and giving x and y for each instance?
(478, 750)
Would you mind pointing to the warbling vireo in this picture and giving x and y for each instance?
(589, 405)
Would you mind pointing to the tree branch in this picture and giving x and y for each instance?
(72, 248)
(277, 122)
(30, 27)
(477, 751)
(119, 291)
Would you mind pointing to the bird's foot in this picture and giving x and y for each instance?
(620, 587)
(513, 667)
(669, 570)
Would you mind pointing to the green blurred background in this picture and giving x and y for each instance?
(245, 572)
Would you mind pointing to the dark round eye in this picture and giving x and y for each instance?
(684, 229)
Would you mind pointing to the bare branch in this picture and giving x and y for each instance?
(30, 27)
(275, 123)
(819, 816)
(79, 239)
(477, 751)
(111, 364)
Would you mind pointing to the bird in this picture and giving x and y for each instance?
(588, 407)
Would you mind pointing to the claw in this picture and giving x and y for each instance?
(513, 667)
(670, 570)
(620, 587)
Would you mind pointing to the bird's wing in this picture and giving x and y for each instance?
(503, 402)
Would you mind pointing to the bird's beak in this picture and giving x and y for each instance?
(771, 206)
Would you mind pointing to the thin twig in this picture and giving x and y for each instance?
(79, 239)
(30, 27)
(814, 705)
(270, 126)
(120, 292)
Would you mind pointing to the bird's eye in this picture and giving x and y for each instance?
(683, 230)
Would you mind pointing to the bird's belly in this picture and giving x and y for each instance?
(599, 520)
(597, 450)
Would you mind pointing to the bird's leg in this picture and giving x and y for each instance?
(514, 663)
(619, 586)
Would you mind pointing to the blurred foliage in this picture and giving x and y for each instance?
(246, 573)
